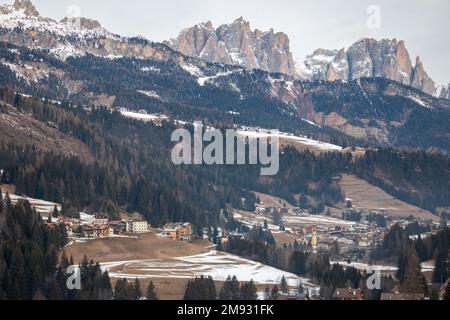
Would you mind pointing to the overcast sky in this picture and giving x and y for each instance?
(310, 24)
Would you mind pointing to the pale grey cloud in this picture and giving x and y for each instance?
(424, 25)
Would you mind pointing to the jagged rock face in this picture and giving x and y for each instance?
(444, 92)
(86, 23)
(368, 58)
(386, 59)
(27, 6)
(236, 43)
(20, 24)
(421, 80)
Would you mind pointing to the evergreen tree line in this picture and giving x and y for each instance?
(30, 267)
(204, 288)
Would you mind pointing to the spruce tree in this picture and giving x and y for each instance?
(151, 293)
(284, 285)
(201, 288)
(55, 213)
(441, 266)
(121, 290)
(267, 295)
(248, 291)
(300, 290)
(275, 292)
(136, 289)
(410, 276)
(446, 294)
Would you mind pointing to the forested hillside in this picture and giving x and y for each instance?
(133, 171)
(419, 178)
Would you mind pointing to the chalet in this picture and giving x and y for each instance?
(348, 294)
(118, 227)
(179, 231)
(68, 223)
(170, 233)
(100, 219)
(97, 231)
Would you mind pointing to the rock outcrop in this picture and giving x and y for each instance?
(238, 44)
(368, 58)
(27, 7)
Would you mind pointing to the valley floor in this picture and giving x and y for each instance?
(170, 264)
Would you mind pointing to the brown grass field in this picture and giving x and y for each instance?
(367, 196)
(148, 246)
(272, 201)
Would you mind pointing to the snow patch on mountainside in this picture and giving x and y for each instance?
(142, 116)
(262, 133)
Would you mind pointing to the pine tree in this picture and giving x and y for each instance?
(421, 249)
(230, 289)
(151, 293)
(267, 295)
(300, 290)
(201, 288)
(275, 292)
(284, 285)
(441, 266)
(446, 294)
(410, 276)
(55, 213)
(137, 289)
(248, 291)
(122, 290)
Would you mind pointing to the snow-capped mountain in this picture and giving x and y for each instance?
(368, 58)
(238, 44)
(22, 25)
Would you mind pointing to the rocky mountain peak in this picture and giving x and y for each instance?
(421, 80)
(241, 21)
(27, 6)
(86, 23)
(238, 44)
(444, 92)
(386, 58)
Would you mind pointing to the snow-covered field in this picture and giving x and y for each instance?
(315, 220)
(365, 266)
(40, 205)
(426, 266)
(216, 264)
(46, 207)
(253, 133)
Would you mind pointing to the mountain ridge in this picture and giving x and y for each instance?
(367, 57)
(237, 43)
(233, 44)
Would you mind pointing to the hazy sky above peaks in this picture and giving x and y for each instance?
(310, 24)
